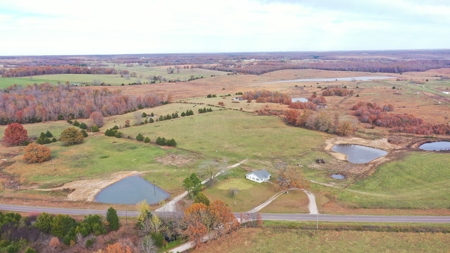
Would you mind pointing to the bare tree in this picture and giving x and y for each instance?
(290, 178)
(147, 245)
(137, 118)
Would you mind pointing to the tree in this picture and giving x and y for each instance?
(345, 128)
(48, 134)
(94, 129)
(61, 225)
(71, 136)
(44, 222)
(147, 140)
(117, 248)
(290, 178)
(172, 143)
(194, 216)
(112, 218)
(147, 245)
(97, 118)
(192, 184)
(139, 137)
(201, 198)
(35, 153)
(85, 134)
(144, 215)
(83, 126)
(137, 118)
(15, 134)
(54, 242)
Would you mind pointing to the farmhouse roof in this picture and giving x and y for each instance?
(260, 173)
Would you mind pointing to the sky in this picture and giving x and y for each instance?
(73, 27)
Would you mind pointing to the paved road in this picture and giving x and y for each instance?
(284, 217)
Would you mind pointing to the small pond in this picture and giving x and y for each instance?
(359, 154)
(303, 100)
(356, 78)
(436, 146)
(338, 176)
(131, 190)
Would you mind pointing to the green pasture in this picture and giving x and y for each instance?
(101, 156)
(420, 180)
(235, 135)
(142, 73)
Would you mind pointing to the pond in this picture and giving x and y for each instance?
(338, 176)
(303, 100)
(132, 190)
(359, 154)
(348, 79)
(436, 146)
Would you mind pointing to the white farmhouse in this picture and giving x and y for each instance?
(258, 176)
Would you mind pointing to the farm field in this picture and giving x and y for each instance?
(419, 180)
(293, 240)
(142, 75)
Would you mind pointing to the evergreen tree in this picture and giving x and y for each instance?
(48, 134)
(147, 140)
(151, 120)
(112, 218)
(139, 137)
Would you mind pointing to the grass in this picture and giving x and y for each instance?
(34, 130)
(294, 202)
(232, 134)
(100, 156)
(419, 180)
(293, 240)
(110, 79)
(250, 194)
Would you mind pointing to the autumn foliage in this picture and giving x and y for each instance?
(117, 248)
(35, 153)
(15, 134)
(403, 123)
(265, 96)
(45, 102)
(51, 70)
(215, 220)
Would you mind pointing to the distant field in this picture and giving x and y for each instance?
(293, 240)
(142, 74)
(421, 180)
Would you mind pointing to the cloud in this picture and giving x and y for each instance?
(158, 26)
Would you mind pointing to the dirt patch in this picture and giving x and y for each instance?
(174, 160)
(86, 190)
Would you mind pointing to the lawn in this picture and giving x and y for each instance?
(249, 195)
(294, 240)
(101, 156)
(419, 180)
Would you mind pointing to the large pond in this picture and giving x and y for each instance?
(303, 100)
(359, 154)
(131, 190)
(348, 79)
(436, 146)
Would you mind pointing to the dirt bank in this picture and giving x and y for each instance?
(86, 190)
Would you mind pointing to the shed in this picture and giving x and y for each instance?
(258, 176)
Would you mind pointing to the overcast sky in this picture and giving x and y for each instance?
(52, 27)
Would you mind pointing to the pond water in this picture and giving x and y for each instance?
(303, 100)
(338, 176)
(436, 146)
(131, 190)
(356, 78)
(359, 154)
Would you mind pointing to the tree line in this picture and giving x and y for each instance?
(44, 102)
(52, 70)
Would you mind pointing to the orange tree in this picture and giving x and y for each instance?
(35, 153)
(15, 134)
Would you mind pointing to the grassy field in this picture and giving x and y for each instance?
(142, 74)
(419, 180)
(235, 135)
(293, 240)
(34, 130)
(100, 156)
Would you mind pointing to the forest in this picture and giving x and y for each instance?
(44, 102)
(51, 70)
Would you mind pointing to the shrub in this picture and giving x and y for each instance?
(71, 136)
(112, 218)
(29, 250)
(201, 198)
(83, 126)
(48, 134)
(54, 139)
(139, 137)
(151, 120)
(85, 134)
(158, 238)
(94, 129)
(15, 134)
(89, 243)
(44, 222)
(172, 143)
(35, 153)
(76, 123)
(147, 140)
